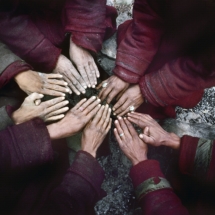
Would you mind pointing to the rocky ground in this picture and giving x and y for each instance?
(199, 122)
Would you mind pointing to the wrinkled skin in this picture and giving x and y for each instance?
(132, 146)
(47, 84)
(131, 97)
(153, 133)
(115, 86)
(96, 130)
(75, 119)
(84, 63)
(75, 82)
(48, 111)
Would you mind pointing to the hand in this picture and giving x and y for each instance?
(48, 84)
(153, 133)
(71, 76)
(75, 119)
(114, 87)
(132, 146)
(131, 97)
(96, 130)
(85, 64)
(48, 111)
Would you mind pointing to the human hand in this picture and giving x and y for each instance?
(85, 64)
(132, 146)
(71, 76)
(132, 97)
(96, 130)
(75, 119)
(48, 111)
(114, 86)
(153, 133)
(48, 84)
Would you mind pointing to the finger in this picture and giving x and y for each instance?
(118, 138)
(123, 109)
(34, 96)
(119, 103)
(37, 102)
(137, 121)
(111, 95)
(54, 75)
(124, 127)
(93, 72)
(57, 82)
(86, 103)
(56, 88)
(96, 69)
(130, 128)
(109, 126)
(57, 112)
(56, 107)
(145, 138)
(100, 85)
(52, 92)
(91, 106)
(52, 102)
(104, 92)
(54, 118)
(72, 87)
(106, 115)
(90, 75)
(99, 115)
(146, 131)
(79, 104)
(84, 76)
(141, 115)
(93, 112)
(119, 129)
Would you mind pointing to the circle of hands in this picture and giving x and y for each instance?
(75, 76)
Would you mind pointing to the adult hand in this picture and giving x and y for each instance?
(131, 97)
(48, 111)
(71, 76)
(111, 87)
(96, 130)
(48, 84)
(85, 64)
(75, 119)
(132, 146)
(153, 133)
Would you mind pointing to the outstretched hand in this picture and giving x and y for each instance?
(132, 146)
(47, 84)
(75, 119)
(96, 130)
(48, 111)
(153, 133)
(111, 88)
(84, 63)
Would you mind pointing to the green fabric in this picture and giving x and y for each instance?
(149, 186)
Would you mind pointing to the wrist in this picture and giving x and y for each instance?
(53, 131)
(138, 160)
(15, 116)
(173, 141)
(90, 151)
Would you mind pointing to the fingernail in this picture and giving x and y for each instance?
(93, 97)
(62, 97)
(99, 105)
(116, 121)
(84, 99)
(98, 76)
(66, 108)
(83, 92)
(107, 105)
(109, 109)
(78, 93)
(98, 100)
(89, 85)
(103, 106)
(124, 118)
(113, 109)
(70, 92)
(66, 102)
(93, 86)
(65, 83)
(114, 114)
(119, 117)
(67, 90)
(141, 136)
(63, 94)
(85, 87)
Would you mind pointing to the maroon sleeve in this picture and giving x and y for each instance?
(176, 81)
(153, 191)
(197, 158)
(22, 36)
(25, 146)
(80, 188)
(89, 22)
(138, 41)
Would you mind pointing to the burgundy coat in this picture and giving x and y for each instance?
(168, 49)
(35, 30)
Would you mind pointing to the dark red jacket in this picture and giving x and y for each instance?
(168, 49)
(36, 30)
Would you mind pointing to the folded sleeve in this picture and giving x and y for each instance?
(176, 81)
(23, 37)
(153, 191)
(89, 22)
(197, 158)
(80, 188)
(25, 146)
(138, 42)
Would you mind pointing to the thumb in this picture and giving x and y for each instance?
(35, 96)
(37, 102)
(145, 138)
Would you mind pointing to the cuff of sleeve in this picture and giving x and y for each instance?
(5, 117)
(187, 154)
(92, 172)
(31, 148)
(12, 70)
(126, 75)
(145, 170)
